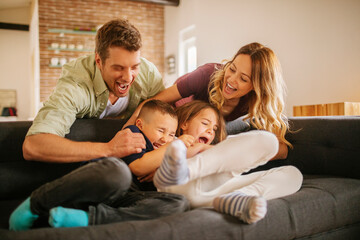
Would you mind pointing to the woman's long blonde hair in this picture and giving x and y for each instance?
(265, 104)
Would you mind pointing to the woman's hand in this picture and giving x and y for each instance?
(187, 139)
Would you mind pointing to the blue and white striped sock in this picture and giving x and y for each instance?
(249, 209)
(173, 169)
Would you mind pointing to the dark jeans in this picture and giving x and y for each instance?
(102, 188)
(144, 206)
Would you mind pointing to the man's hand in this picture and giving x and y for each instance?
(126, 143)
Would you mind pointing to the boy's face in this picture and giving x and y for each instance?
(203, 126)
(159, 128)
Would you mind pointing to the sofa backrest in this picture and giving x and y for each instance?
(326, 145)
(19, 177)
(322, 145)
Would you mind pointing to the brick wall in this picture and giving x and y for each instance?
(87, 14)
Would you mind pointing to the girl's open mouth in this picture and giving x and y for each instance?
(203, 140)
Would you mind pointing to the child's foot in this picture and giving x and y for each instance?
(22, 218)
(249, 209)
(68, 217)
(173, 169)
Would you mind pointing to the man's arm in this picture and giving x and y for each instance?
(53, 148)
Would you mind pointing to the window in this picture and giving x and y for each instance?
(187, 50)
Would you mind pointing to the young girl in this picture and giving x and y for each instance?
(213, 176)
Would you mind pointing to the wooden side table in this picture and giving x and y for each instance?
(329, 109)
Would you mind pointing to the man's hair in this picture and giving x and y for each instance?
(119, 33)
(156, 105)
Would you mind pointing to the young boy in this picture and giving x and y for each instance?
(157, 121)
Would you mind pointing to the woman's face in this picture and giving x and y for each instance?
(203, 126)
(237, 78)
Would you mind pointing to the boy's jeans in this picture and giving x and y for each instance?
(101, 188)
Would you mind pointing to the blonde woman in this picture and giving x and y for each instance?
(250, 84)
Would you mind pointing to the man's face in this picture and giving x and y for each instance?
(119, 70)
(159, 128)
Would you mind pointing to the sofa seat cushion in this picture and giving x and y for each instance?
(323, 204)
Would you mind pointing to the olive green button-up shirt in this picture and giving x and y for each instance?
(82, 93)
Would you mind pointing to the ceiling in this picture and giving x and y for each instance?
(14, 3)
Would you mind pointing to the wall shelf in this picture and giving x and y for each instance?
(67, 31)
(70, 50)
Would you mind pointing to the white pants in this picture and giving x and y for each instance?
(218, 170)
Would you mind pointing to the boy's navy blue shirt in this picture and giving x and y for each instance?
(143, 186)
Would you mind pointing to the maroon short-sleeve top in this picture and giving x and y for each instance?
(196, 84)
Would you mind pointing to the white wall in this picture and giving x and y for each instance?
(317, 42)
(15, 59)
(34, 52)
(20, 15)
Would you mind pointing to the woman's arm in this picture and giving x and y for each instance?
(168, 95)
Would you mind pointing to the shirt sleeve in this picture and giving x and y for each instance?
(60, 110)
(152, 79)
(196, 82)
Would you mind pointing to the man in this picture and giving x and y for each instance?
(111, 82)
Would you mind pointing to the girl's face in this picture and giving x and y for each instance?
(203, 126)
(237, 78)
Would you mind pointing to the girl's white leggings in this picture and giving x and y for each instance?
(219, 169)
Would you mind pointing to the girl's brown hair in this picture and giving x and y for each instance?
(191, 109)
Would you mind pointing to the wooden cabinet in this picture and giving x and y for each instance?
(329, 109)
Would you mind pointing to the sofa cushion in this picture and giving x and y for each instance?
(322, 204)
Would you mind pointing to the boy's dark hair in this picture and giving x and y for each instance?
(157, 105)
(119, 33)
